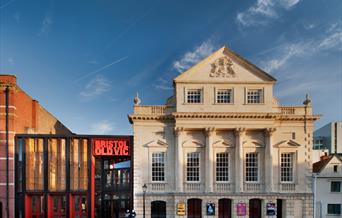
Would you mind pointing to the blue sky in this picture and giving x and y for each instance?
(84, 60)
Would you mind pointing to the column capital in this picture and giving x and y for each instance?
(270, 131)
(239, 131)
(210, 131)
(178, 130)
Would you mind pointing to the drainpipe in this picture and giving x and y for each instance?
(314, 192)
(7, 156)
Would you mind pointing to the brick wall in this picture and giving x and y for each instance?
(26, 115)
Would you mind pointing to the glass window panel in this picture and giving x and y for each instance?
(34, 164)
(56, 151)
(78, 164)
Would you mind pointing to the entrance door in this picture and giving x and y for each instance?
(279, 208)
(158, 209)
(194, 208)
(115, 206)
(79, 205)
(34, 206)
(225, 208)
(255, 208)
(57, 206)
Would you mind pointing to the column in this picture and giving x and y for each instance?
(179, 166)
(239, 133)
(269, 160)
(209, 159)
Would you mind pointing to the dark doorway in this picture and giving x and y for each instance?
(58, 206)
(0, 209)
(255, 208)
(225, 208)
(158, 209)
(279, 208)
(194, 208)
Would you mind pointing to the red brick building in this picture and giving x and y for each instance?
(25, 115)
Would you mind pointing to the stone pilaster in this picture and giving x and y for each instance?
(209, 160)
(239, 134)
(179, 159)
(269, 185)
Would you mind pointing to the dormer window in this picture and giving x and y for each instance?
(224, 96)
(255, 96)
(194, 96)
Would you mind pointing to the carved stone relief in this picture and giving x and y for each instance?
(222, 67)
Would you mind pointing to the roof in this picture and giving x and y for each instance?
(318, 166)
(224, 50)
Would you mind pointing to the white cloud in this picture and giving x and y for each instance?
(102, 127)
(46, 25)
(192, 57)
(330, 40)
(263, 10)
(95, 87)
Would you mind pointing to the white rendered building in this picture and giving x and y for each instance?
(222, 146)
(328, 186)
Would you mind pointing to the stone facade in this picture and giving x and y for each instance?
(224, 104)
(26, 115)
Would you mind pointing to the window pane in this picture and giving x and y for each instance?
(334, 209)
(286, 167)
(193, 164)
(158, 166)
(254, 96)
(78, 164)
(223, 96)
(56, 150)
(252, 167)
(335, 186)
(194, 96)
(34, 164)
(222, 167)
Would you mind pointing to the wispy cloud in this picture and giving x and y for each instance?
(102, 127)
(6, 4)
(10, 61)
(101, 68)
(95, 87)
(330, 40)
(194, 56)
(46, 25)
(262, 11)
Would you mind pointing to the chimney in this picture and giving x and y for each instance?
(325, 156)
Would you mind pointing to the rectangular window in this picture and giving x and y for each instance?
(222, 167)
(194, 96)
(34, 164)
(158, 166)
(254, 96)
(78, 164)
(335, 186)
(252, 167)
(56, 150)
(224, 96)
(286, 167)
(193, 167)
(334, 209)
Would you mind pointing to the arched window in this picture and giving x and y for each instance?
(194, 208)
(255, 208)
(225, 208)
(158, 209)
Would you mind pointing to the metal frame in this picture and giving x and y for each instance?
(20, 195)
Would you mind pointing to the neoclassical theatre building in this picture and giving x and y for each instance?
(223, 146)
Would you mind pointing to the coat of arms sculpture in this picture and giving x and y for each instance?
(222, 67)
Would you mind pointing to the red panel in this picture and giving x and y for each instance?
(28, 206)
(92, 187)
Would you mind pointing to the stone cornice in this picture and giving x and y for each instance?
(223, 115)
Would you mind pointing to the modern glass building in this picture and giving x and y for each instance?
(73, 176)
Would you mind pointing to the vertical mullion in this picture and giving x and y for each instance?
(67, 175)
(46, 176)
(89, 162)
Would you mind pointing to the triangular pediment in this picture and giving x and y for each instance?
(225, 66)
(223, 143)
(193, 143)
(157, 143)
(288, 144)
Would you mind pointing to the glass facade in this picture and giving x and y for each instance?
(61, 177)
